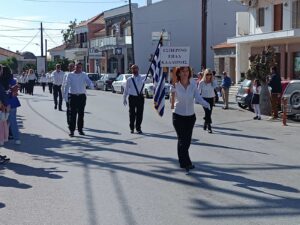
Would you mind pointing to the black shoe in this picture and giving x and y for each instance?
(2, 157)
(139, 131)
(132, 131)
(71, 134)
(4, 161)
(205, 126)
(209, 128)
(60, 109)
(255, 118)
(259, 118)
(81, 132)
(55, 107)
(190, 167)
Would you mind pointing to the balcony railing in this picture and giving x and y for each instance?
(110, 41)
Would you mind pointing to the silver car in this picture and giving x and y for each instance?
(292, 93)
(149, 89)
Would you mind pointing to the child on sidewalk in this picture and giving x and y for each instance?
(255, 99)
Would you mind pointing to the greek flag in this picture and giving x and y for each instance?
(158, 80)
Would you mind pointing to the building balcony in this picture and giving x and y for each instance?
(278, 35)
(106, 43)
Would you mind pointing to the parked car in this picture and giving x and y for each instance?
(244, 95)
(94, 77)
(105, 82)
(292, 93)
(119, 84)
(149, 89)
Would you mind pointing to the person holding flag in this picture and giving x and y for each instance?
(183, 94)
(134, 89)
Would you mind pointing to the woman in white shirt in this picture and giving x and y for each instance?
(206, 88)
(255, 99)
(183, 95)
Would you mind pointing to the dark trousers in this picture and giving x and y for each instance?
(136, 110)
(50, 85)
(22, 87)
(68, 112)
(76, 106)
(207, 117)
(30, 86)
(184, 128)
(44, 86)
(57, 93)
(275, 101)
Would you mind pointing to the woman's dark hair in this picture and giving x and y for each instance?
(179, 69)
(257, 82)
(6, 77)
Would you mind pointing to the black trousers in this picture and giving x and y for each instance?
(207, 117)
(68, 112)
(57, 93)
(50, 85)
(136, 110)
(44, 86)
(31, 86)
(184, 129)
(76, 107)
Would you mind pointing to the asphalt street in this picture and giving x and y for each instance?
(247, 172)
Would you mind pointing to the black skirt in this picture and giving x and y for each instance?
(255, 99)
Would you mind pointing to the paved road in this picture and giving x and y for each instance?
(247, 171)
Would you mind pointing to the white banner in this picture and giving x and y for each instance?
(174, 56)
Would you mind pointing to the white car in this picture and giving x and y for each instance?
(149, 89)
(119, 84)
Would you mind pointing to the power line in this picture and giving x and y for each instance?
(50, 38)
(24, 29)
(34, 21)
(30, 41)
(5, 36)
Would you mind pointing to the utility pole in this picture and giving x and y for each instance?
(204, 33)
(131, 30)
(42, 40)
(46, 67)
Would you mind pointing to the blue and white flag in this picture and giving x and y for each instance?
(158, 80)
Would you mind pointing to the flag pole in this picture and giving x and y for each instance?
(152, 58)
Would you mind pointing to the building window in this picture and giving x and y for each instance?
(296, 14)
(260, 17)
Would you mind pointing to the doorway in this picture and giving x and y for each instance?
(278, 17)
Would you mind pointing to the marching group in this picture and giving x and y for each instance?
(71, 86)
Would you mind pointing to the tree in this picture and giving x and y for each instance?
(12, 63)
(29, 66)
(64, 62)
(260, 66)
(69, 34)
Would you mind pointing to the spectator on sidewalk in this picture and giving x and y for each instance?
(275, 84)
(226, 83)
(43, 81)
(255, 99)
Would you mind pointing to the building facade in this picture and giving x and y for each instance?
(182, 21)
(111, 49)
(269, 23)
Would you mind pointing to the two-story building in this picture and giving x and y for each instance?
(273, 23)
(84, 32)
(111, 50)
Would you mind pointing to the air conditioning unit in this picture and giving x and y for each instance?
(252, 3)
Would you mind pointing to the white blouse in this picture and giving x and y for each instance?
(256, 90)
(207, 90)
(185, 98)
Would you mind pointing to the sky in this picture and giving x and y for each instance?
(20, 20)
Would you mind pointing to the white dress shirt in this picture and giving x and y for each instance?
(64, 82)
(31, 76)
(185, 98)
(130, 89)
(57, 77)
(207, 90)
(76, 84)
(43, 79)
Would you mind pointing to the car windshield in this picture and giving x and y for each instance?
(292, 87)
(93, 76)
